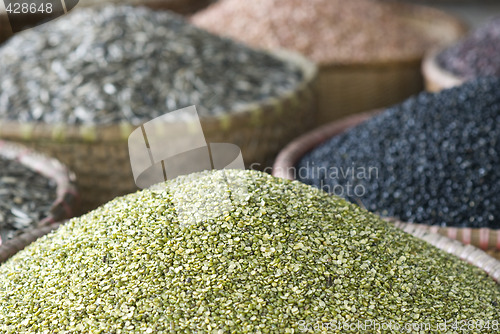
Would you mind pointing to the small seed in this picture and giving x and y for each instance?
(153, 282)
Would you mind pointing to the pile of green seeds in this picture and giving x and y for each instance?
(234, 252)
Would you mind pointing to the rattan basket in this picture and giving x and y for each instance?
(345, 89)
(66, 202)
(99, 154)
(284, 166)
(437, 78)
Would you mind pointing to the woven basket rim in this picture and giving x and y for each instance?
(438, 75)
(425, 14)
(468, 253)
(118, 132)
(67, 196)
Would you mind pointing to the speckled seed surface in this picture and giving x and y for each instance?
(327, 31)
(475, 56)
(233, 252)
(113, 64)
(432, 160)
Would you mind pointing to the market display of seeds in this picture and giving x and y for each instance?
(117, 63)
(475, 56)
(431, 160)
(234, 252)
(26, 197)
(327, 31)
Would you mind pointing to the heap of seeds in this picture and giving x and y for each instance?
(110, 64)
(431, 160)
(25, 197)
(234, 252)
(328, 31)
(475, 56)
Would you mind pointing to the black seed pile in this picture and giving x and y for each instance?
(433, 159)
(475, 56)
(25, 197)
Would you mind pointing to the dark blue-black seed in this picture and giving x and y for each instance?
(434, 159)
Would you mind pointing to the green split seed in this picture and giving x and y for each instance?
(273, 255)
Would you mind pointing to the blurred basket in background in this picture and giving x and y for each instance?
(66, 198)
(369, 57)
(345, 89)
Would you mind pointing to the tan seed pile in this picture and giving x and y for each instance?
(234, 252)
(328, 31)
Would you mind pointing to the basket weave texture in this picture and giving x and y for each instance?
(467, 253)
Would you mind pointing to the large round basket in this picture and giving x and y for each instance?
(345, 89)
(66, 202)
(284, 166)
(436, 78)
(99, 155)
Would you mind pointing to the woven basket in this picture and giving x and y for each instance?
(437, 78)
(66, 201)
(345, 89)
(284, 166)
(179, 6)
(100, 158)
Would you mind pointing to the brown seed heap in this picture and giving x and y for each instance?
(328, 31)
